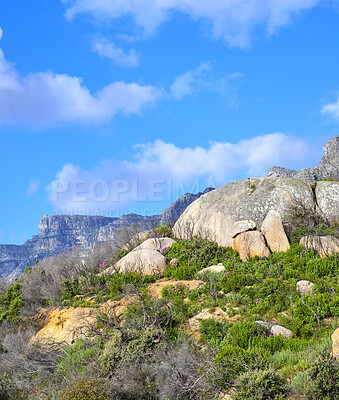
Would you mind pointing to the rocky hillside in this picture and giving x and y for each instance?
(327, 168)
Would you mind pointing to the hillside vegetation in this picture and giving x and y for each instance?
(173, 340)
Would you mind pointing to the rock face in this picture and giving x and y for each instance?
(214, 214)
(250, 244)
(58, 234)
(335, 343)
(324, 245)
(305, 287)
(327, 199)
(327, 168)
(274, 232)
(173, 212)
(242, 226)
(144, 261)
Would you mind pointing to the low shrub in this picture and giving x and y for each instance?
(87, 389)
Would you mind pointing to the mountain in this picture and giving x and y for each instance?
(58, 234)
(327, 168)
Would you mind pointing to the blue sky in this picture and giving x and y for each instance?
(109, 107)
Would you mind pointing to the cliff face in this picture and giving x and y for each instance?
(58, 234)
(327, 168)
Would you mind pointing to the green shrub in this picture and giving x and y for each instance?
(87, 389)
(260, 384)
(324, 378)
(175, 290)
(234, 282)
(10, 304)
(242, 333)
(213, 331)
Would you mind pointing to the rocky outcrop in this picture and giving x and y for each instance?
(58, 234)
(250, 244)
(213, 215)
(144, 261)
(327, 168)
(324, 245)
(273, 230)
(173, 212)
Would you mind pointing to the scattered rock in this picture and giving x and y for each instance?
(250, 244)
(305, 287)
(157, 244)
(276, 329)
(144, 261)
(274, 232)
(174, 261)
(324, 245)
(212, 269)
(242, 226)
(335, 344)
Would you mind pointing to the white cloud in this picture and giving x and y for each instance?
(171, 170)
(193, 81)
(45, 98)
(34, 187)
(1, 32)
(190, 81)
(231, 20)
(332, 109)
(108, 49)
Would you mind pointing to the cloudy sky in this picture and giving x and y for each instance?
(116, 106)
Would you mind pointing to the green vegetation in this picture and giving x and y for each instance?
(156, 349)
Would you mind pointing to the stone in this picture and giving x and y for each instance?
(335, 343)
(327, 195)
(324, 245)
(305, 287)
(242, 226)
(213, 215)
(276, 329)
(212, 269)
(250, 244)
(327, 168)
(158, 244)
(144, 261)
(174, 262)
(274, 232)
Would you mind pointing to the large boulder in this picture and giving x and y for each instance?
(144, 261)
(158, 244)
(324, 245)
(327, 195)
(250, 244)
(213, 269)
(335, 343)
(274, 232)
(213, 215)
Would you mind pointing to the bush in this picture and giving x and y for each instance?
(87, 389)
(324, 378)
(260, 384)
(10, 304)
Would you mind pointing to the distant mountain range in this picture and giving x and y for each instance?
(59, 233)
